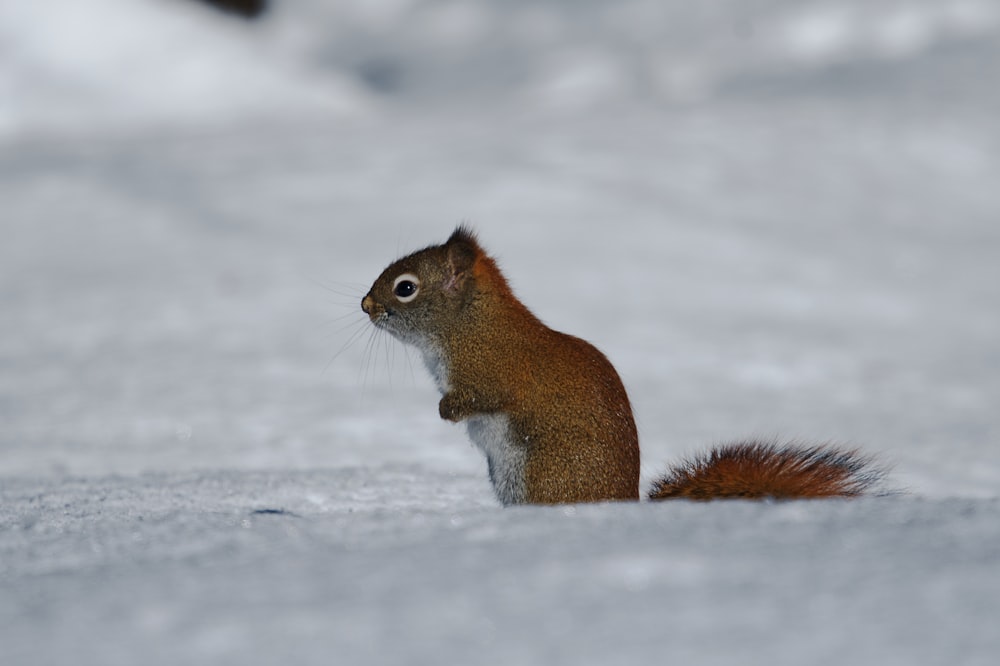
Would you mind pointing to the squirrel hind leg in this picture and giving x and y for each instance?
(760, 470)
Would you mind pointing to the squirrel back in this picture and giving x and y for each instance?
(549, 410)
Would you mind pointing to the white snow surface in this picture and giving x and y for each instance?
(777, 218)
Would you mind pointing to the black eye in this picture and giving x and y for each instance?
(405, 288)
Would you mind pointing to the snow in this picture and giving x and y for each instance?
(777, 219)
(230, 567)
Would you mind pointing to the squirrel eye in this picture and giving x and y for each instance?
(405, 287)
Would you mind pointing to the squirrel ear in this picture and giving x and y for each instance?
(462, 250)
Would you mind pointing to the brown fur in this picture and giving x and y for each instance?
(564, 398)
(759, 470)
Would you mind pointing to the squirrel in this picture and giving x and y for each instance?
(549, 410)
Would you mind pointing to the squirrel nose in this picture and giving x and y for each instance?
(366, 304)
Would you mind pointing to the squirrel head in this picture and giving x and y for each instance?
(425, 294)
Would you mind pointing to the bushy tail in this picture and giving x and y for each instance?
(758, 470)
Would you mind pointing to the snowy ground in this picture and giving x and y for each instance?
(776, 218)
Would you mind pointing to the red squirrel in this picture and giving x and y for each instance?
(549, 410)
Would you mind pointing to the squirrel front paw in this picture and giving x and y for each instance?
(453, 408)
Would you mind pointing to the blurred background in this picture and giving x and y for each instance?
(777, 217)
(112, 66)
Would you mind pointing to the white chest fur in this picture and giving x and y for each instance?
(492, 434)
(435, 365)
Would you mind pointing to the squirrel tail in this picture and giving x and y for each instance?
(757, 470)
